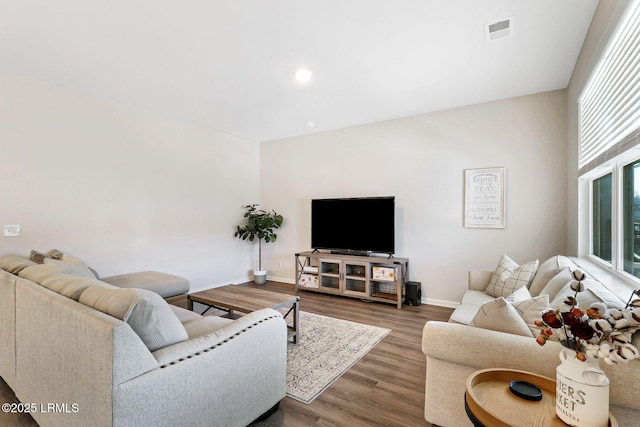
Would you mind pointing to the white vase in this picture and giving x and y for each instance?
(582, 392)
(259, 277)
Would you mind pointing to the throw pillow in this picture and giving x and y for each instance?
(14, 264)
(39, 257)
(595, 292)
(37, 273)
(547, 270)
(146, 312)
(70, 258)
(531, 310)
(509, 277)
(499, 315)
(557, 282)
(519, 295)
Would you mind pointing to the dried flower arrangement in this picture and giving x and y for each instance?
(599, 332)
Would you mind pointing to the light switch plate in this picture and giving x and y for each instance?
(11, 231)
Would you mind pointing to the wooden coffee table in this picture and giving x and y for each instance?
(246, 300)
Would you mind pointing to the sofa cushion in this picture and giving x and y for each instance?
(146, 312)
(14, 263)
(603, 293)
(595, 292)
(37, 273)
(183, 314)
(547, 270)
(205, 325)
(500, 315)
(557, 282)
(509, 276)
(476, 298)
(464, 313)
(71, 286)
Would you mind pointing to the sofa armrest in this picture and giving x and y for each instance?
(479, 279)
(455, 351)
(228, 377)
(483, 348)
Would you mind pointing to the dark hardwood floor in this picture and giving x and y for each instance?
(385, 388)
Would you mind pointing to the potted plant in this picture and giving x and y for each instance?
(261, 225)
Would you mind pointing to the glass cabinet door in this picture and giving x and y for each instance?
(355, 278)
(330, 274)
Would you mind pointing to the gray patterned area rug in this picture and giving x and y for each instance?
(327, 348)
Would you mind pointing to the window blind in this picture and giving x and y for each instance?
(609, 107)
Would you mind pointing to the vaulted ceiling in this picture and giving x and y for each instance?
(230, 64)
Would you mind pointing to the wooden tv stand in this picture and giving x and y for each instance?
(371, 278)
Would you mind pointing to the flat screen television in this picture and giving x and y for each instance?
(354, 225)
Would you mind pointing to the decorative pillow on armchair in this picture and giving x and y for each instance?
(509, 276)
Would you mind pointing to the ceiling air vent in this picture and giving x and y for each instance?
(499, 29)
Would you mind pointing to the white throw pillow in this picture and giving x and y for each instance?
(531, 310)
(547, 270)
(148, 314)
(521, 294)
(499, 315)
(509, 277)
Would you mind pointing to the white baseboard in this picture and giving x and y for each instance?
(440, 302)
(282, 279)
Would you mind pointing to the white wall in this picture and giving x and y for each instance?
(421, 160)
(122, 188)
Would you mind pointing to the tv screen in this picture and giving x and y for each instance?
(364, 224)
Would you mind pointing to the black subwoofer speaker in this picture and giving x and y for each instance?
(412, 293)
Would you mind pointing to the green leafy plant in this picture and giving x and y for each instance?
(259, 224)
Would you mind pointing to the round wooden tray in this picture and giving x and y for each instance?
(491, 403)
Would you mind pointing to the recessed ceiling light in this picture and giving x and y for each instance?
(310, 124)
(303, 75)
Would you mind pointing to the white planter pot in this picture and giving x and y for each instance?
(259, 277)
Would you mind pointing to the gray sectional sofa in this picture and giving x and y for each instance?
(455, 349)
(83, 353)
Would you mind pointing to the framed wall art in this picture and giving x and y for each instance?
(484, 191)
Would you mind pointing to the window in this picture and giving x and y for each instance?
(609, 149)
(602, 217)
(631, 218)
